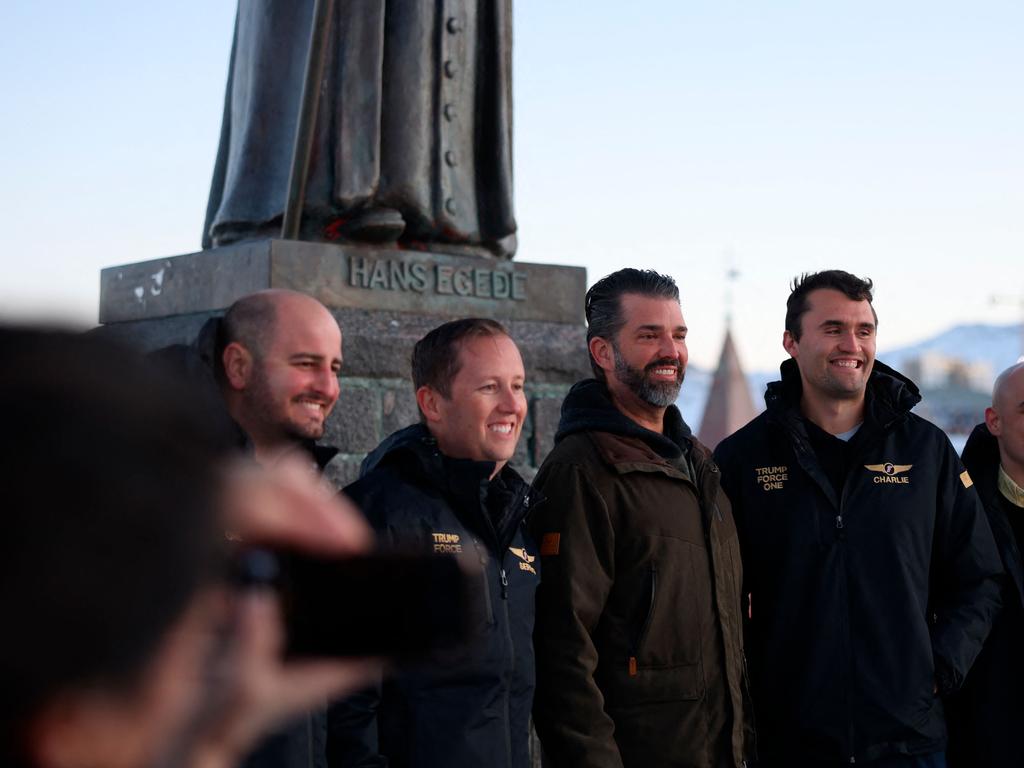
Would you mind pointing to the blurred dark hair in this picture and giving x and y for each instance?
(851, 286)
(603, 304)
(110, 489)
(435, 358)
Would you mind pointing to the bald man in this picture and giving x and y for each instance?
(279, 364)
(275, 356)
(985, 718)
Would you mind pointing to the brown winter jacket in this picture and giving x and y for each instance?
(638, 633)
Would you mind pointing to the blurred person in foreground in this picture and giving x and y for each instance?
(871, 571)
(444, 486)
(124, 646)
(639, 642)
(985, 717)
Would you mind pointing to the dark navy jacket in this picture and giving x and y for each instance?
(472, 707)
(985, 717)
(862, 602)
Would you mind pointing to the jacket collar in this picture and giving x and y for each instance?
(465, 483)
(589, 408)
(890, 395)
(888, 400)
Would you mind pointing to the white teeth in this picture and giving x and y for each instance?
(665, 371)
(847, 363)
(501, 429)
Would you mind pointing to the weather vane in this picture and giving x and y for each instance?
(732, 274)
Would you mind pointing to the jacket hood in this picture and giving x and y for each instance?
(415, 440)
(418, 448)
(981, 453)
(589, 408)
(891, 394)
(467, 484)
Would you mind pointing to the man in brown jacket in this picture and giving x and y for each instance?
(638, 635)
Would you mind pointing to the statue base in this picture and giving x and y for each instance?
(385, 300)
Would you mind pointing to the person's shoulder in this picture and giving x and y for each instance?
(742, 439)
(575, 448)
(925, 433)
(386, 492)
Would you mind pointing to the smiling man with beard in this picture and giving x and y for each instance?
(279, 367)
(638, 635)
(275, 356)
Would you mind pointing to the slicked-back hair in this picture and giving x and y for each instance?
(851, 286)
(435, 358)
(603, 304)
(97, 566)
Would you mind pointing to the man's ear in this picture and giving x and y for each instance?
(428, 399)
(602, 353)
(238, 364)
(791, 345)
(992, 421)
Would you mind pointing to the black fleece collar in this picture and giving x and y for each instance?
(589, 408)
(890, 395)
(465, 482)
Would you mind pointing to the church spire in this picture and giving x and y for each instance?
(729, 405)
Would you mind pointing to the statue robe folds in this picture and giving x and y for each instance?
(413, 136)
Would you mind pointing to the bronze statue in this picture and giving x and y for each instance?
(412, 139)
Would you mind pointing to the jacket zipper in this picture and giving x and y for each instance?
(840, 527)
(503, 577)
(511, 666)
(635, 650)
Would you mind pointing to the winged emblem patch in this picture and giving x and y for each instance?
(889, 468)
(889, 473)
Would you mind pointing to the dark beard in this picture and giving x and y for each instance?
(660, 394)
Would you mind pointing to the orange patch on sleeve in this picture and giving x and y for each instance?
(549, 543)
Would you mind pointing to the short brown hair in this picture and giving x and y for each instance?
(435, 358)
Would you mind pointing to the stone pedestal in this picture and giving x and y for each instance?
(385, 301)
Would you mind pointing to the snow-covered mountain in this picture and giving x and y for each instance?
(998, 346)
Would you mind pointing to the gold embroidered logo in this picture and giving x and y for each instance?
(447, 543)
(771, 478)
(965, 478)
(525, 558)
(887, 473)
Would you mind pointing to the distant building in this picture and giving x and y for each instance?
(729, 405)
(934, 370)
(954, 392)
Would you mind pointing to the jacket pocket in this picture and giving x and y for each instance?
(653, 685)
(645, 615)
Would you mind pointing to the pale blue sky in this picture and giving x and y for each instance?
(886, 138)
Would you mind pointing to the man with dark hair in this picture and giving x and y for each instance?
(638, 638)
(985, 715)
(871, 572)
(445, 486)
(124, 645)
